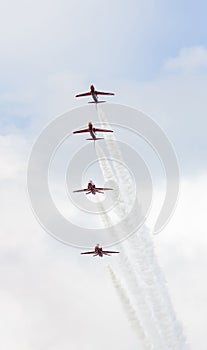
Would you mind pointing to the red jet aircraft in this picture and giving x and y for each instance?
(99, 251)
(93, 189)
(94, 94)
(92, 132)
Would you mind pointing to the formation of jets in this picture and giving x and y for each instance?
(91, 187)
(100, 252)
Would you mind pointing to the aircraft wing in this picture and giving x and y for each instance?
(80, 131)
(83, 190)
(103, 188)
(83, 94)
(102, 130)
(88, 252)
(104, 93)
(109, 252)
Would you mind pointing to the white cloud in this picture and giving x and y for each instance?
(50, 287)
(178, 104)
(181, 248)
(188, 60)
(50, 297)
(12, 156)
(40, 279)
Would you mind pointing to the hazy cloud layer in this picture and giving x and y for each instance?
(189, 60)
(154, 56)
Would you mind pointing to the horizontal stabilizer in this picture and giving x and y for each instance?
(96, 102)
(97, 138)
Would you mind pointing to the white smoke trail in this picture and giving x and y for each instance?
(161, 305)
(133, 281)
(141, 245)
(143, 253)
(119, 167)
(129, 310)
(109, 176)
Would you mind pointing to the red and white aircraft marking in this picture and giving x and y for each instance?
(91, 188)
(99, 251)
(92, 132)
(94, 93)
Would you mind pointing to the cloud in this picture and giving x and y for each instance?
(178, 104)
(189, 59)
(12, 163)
(50, 287)
(50, 297)
(181, 249)
(44, 285)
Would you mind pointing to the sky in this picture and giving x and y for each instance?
(153, 55)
